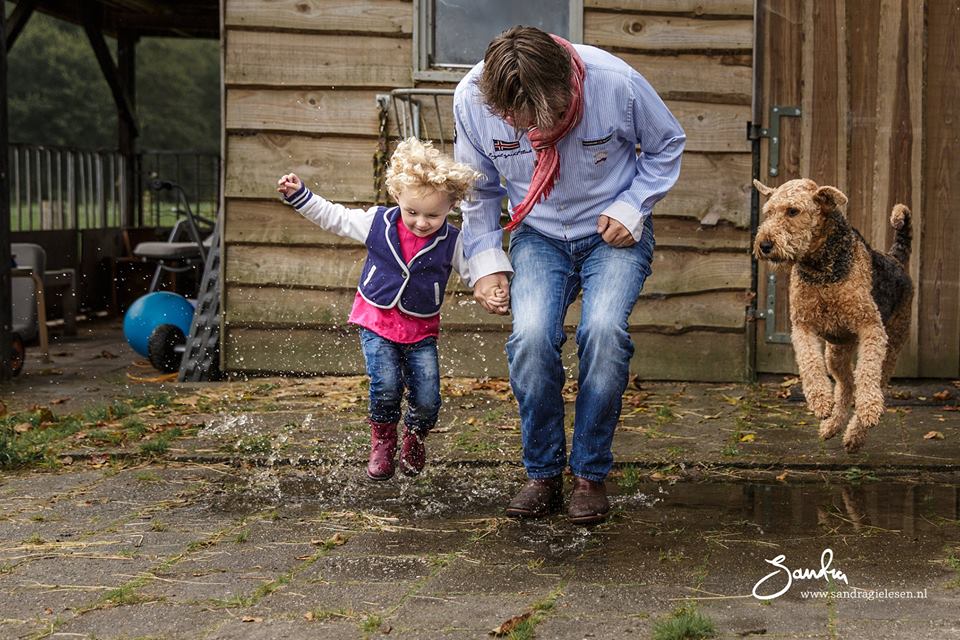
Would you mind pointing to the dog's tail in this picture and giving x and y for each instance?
(900, 220)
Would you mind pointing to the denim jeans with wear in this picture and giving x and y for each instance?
(548, 275)
(393, 367)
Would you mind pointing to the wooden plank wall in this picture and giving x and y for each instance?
(875, 123)
(301, 79)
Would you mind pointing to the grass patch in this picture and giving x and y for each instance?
(124, 595)
(259, 445)
(953, 561)
(149, 477)
(664, 415)
(371, 623)
(155, 447)
(135, 427)
(856, 475)
(242, 536)
(686, 623)
(37, 436)
(630, 478)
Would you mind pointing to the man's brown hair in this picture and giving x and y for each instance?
(526, 76)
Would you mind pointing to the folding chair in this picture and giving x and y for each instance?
(184, 248)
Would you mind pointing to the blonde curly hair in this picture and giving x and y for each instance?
(417, 165)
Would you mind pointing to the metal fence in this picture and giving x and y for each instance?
(68, 188)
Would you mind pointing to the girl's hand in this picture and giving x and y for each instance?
(289, 184)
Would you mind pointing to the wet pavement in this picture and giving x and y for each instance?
(241, 511)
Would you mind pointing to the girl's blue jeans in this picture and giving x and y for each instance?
(548, 275)
(393, 367)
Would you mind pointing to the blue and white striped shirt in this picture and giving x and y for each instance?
(600, 169)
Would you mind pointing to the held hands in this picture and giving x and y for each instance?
(614, 233)
(493, 293)
(288, 184)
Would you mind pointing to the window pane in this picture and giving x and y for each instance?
(464, 28)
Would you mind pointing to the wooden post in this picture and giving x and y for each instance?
(18, 20)
(127, 71)
(6, 293)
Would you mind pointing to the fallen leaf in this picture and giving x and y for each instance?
(66, 460)
(782, 476)
(942, 395)
(335, 540)
(59, 400)
(471, 420)
(308, 615)
(23, 427)
(48, 611)
(748, 437)
(251, 619)
(933, 435)
(44, 414)
(789, 382)
(511, 624)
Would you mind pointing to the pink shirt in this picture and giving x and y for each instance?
(393, 324)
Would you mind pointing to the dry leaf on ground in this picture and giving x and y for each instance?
(511, 624)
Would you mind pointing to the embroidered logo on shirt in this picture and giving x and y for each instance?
(505, 145)
(599, 156)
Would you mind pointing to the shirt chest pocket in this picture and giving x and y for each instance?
(595, 150)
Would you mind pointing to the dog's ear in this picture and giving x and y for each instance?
(829, 198)
(762, 188)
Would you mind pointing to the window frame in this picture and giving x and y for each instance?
(423, 46)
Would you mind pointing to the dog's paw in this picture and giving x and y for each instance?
(831, 426)
(869, 413)
(854, 436)
(821, 404)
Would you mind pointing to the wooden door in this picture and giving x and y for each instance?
(873, 120)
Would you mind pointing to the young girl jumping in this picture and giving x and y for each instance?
(411, 249)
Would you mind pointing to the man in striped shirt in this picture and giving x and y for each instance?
(560, 124)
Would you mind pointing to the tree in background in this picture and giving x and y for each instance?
(58, 96)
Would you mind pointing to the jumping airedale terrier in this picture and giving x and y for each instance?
(842, 292)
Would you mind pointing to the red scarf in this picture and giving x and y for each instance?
(547, 163)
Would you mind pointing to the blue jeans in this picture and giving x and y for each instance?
(548, 275)
(393, 366)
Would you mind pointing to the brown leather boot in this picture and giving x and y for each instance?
(413, 455)
(383, 446)
(588, 502)
(538, 498)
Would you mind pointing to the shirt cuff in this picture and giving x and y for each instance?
(628, 217)
(487, 262)
(299, 197)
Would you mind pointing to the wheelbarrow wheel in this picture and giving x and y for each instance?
(165, 347)
(18, 354)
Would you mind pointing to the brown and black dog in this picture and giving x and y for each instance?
(843, 294)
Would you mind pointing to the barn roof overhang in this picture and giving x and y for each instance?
(140, 18)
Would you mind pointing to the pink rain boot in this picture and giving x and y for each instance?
(413, 455)
(383, 446)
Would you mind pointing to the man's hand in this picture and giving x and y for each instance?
(614, 233)
(493, 293)
(288, 184)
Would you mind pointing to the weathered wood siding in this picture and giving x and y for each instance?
(301, 79)
(878, 84)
